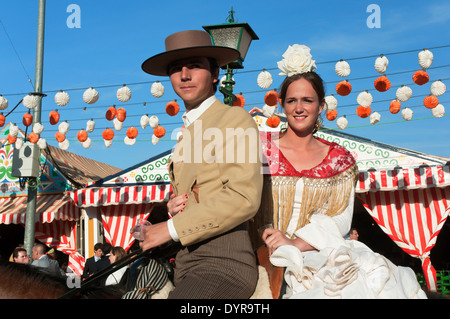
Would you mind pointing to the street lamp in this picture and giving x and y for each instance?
(233, 35)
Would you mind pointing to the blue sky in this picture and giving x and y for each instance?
(115, 37)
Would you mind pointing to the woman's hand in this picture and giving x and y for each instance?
(273, 238)
(176, 204)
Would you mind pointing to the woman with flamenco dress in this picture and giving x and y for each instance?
(307, 204)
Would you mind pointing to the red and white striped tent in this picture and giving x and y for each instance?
(127, 196)
(406, 192)
(56, 216)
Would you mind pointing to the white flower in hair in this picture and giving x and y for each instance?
(296, 60)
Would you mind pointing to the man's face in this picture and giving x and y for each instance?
(192, 80)
(98, 253)
(354, 235)
(22, 258)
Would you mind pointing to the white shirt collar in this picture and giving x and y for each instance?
(195, 113)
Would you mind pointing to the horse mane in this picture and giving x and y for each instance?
(23, 281)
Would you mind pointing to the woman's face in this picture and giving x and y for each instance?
(302, 107)
(112, 258)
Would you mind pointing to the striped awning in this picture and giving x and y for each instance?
(403, 178)
(105, 196)
(412, 219)
(48, 208)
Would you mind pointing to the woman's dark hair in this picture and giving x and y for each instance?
(312, 77)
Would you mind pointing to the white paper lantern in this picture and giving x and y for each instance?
(90, 96)
(3, 103)
(31, 101)
(381, 64)
(129, 141)
(374, 118)
(438, 111)
(124, 94)
(223, 79)
(407, 114)
(438, 88)
(157, 89)
(425, 58)
(42, 143)
(19, 143)
(364, 99)
(62, 98)
(87, 143)
(153, 121)
(155, 139)
(144, 121)
(64, 145)
(342, 122)
(403, 93)
(13, 130)
(108, 143)
(90, 126)
(38, 128)
(342, 68)
(264, 80)
(331, 102)
(268, 110)
(63, 127)
(117, 124)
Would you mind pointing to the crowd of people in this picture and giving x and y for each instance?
(104, 255)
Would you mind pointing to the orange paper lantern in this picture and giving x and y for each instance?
(172, 108)
(159, 131)
(27, 119)
(240, 101)
(121, 114)
(273, 121)
(132, 132)
(54, 117)
(108, 134)
(382, 84)
(395, 106)
(430, 101)
(271, 98)
(2, 119)
(11, 139)
(343, 88)
(60, 137)
(82, 136)
(332, 115)
(111, 113)
(363, 112)
(33, 137)
(420, 77)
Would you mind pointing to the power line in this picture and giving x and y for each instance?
(17, 54)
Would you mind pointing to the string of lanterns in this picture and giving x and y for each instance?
(264, 80)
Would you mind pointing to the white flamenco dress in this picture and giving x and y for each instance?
(337, 268)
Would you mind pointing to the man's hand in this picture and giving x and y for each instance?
(154, 235)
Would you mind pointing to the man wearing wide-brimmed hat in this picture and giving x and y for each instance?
(215, 172)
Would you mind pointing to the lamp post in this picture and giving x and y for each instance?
(233, 35)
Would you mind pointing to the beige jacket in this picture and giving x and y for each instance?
(217, 163)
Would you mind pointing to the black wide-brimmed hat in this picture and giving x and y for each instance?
(188, 44)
